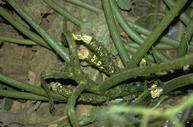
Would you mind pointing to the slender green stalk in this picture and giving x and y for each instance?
(142, 30)
(24, 30)
(145, 71)
(57, 7)
(22, 95)
(27, 87)
(85, 5)
(23, 86)
(134, 35)
(58, 47)
(72, 48)
(186, 38)
(157, 33)
(114, 32)
(178, 82)
(17, 40)
(71, 105)
(183, 17)
(165, 40)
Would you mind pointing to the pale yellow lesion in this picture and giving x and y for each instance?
(155, 90)
(54, 86)
(82, 37)
(143, 62)
(83, 52)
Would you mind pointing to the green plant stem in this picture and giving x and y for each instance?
(22, 95)
(145, 71)
(134, 35)
(58, 47)
(57, 7)
(72, 48)
(149, 111)
(177, 83)
(24, 30)
(114, 32)
(186, 38)
(17, 40)
(157, 32)
(23, 86)
(85, 5)
(142, 30)
(183, 17)
(71, 104)
(27, 87)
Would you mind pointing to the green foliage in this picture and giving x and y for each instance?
(129, 84)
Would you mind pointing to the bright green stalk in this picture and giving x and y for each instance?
(157, 33)
(145, 71)
(85, 5)
(57, 7)
(183, 17)
(17, 40)
(71, 105)
(22, 95)
(186, 38)
(58, 47)
(114, 32)
(24, 30)
(72, 48)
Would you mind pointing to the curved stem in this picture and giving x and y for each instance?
(71, 105)
(58, 47)
(114, 32)
(85, 5)
(157, 32)
(57, 7)
(72, 48)
(145, 71)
